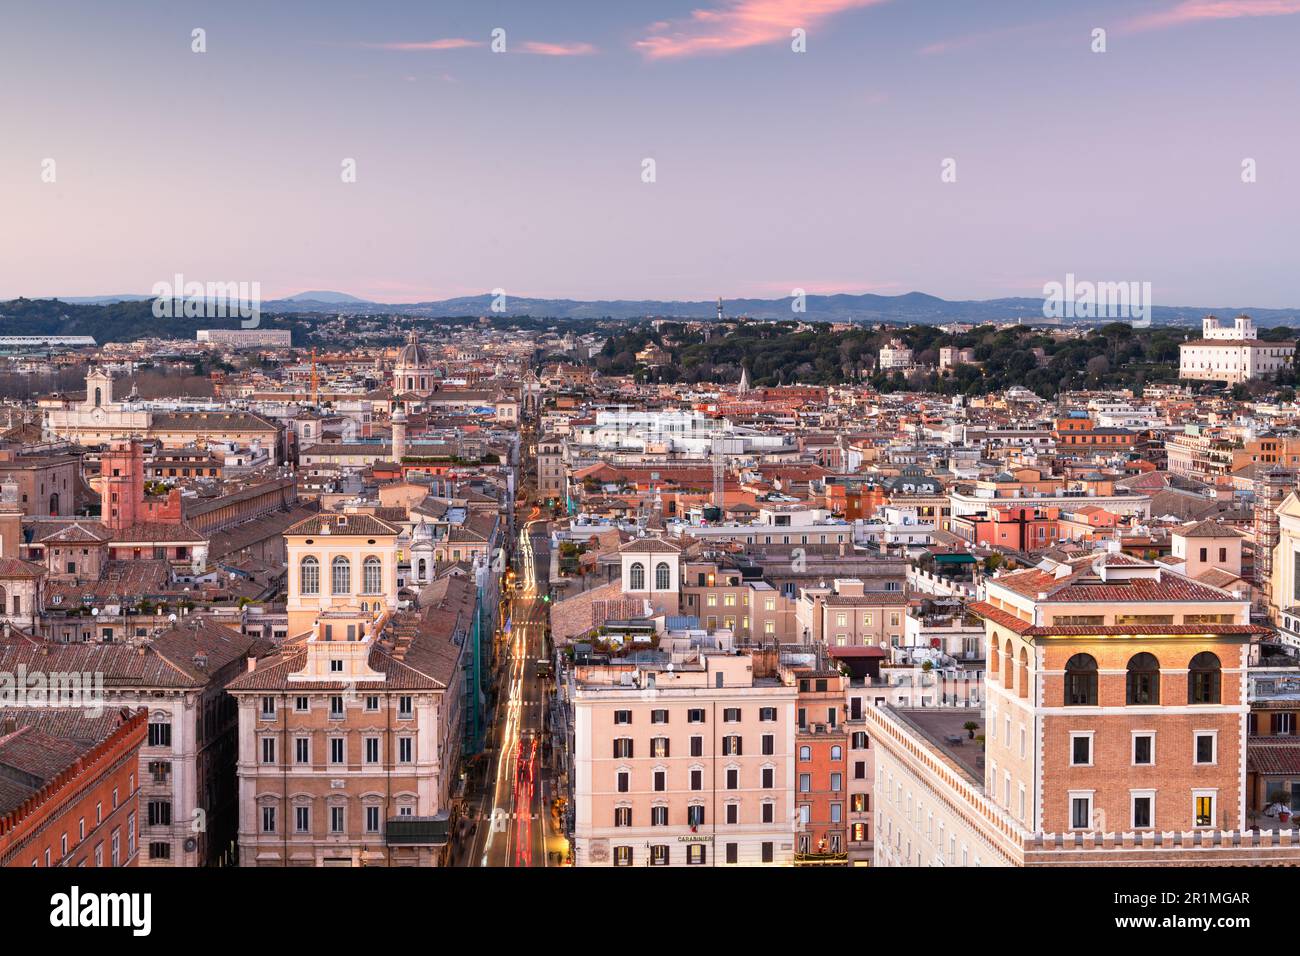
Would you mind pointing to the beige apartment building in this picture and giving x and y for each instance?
(750, 607)
(348, 743)
(845, 614)
(550, 467)
(343, 563)
(685, 762)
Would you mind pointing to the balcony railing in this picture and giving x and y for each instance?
(417, 831)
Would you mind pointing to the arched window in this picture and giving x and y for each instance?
(636, 577)
(1024, 673)
(662, 576)
(1204, 685)
(309, 575)
(1081, 681)
(372, 576)
(54, 504)
(99, 395)
(1143, 680)
(340, 576)
(422, 566)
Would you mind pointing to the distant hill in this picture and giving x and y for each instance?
(907, 309)
(318, 296)
(127, 317)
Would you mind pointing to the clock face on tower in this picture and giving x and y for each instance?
(97, 414)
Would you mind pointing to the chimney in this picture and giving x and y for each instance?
(252, 664)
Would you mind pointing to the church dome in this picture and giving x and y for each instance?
(413, 354)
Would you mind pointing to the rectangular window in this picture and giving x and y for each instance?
(622, 716)
(1144, 749)
(405, 749)
(1143, 804)
(1203, 802)
(302, 819)
(1081, 749)
(1205, 748)
(658, 716)
(336, 750)
(1080, 812)
(336, 819)
(695, 855)
(268, 750)
(695, 716)
(405, 707)
(372, 750)
(302, 750)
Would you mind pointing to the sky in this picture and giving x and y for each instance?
(965, 149)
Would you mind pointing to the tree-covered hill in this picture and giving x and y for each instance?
(1114, 355)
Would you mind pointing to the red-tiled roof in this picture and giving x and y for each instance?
(1272, 758)
(998, 616)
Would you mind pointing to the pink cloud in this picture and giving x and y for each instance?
(449, 43)
(557, 49)
(739, 24)
(1198, 11)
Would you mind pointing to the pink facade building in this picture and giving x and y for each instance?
(687, 761)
